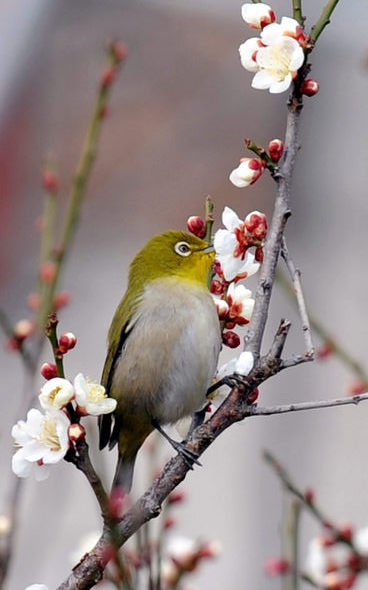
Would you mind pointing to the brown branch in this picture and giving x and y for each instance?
(295, 277)
(272, 247)
(342, 401)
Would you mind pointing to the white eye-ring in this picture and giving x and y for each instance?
(182, 248)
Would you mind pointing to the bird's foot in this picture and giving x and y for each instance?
(229, 380)
(188, 455)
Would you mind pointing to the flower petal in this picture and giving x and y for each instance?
(230, 219)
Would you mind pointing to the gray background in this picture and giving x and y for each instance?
(179, 112)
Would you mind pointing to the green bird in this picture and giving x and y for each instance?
(163, 346)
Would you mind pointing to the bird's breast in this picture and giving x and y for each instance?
(170, 355)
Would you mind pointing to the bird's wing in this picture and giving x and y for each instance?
(120, 329)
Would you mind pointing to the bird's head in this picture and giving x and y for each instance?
(173, 254)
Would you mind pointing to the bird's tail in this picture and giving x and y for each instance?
(124, 473)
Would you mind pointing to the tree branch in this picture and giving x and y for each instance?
(295, 277)
(323, 20)
(342, 401)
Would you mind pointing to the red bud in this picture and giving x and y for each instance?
(50, 181)
(276, 566)
(231, 339)
(119, 51)
(252, 397)
(276, 149)
(61, 299)
(67, 341)
(196, 226)
(47, 272)
(217, 287)
(108, 76)
(48, 371)
(176, 496)
(309, 87)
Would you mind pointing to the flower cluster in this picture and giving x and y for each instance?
(234, 262)
(276, 56)
(334, 564)
(183, 557)
(44, 439)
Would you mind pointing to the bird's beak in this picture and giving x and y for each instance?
(209, 249)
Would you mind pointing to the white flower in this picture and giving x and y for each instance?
(230, 253)
(278, 64)
(248, 171)
(360, 540)
(91, 397)
(319, 559)
(182, 550)
(258, 15)
(242, 365)
(248, 52)
(241, 303)
(56, 394)
(43, 439)
(36, 587)
(288, 27)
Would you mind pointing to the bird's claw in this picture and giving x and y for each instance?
(189, 456)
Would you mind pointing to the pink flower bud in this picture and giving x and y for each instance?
(50, 181)
(346, 531)
(258, 255)
(256, 224)
(47, 272)
(222, 308)
(276, 566)
(252, 397)
(119, 51)
(258, 16)
(108, 76)
(324, 352)
(13, 344)
(217, 287)
(67, 341)
(33, 301)
(169, 522)
(210, 549)
(176, 496)
(216, 265)
(23, 329)
(196, 226)
(309, 495)
(309, 87)
(248, 171)
(357, 387)
(61, 299)
(48, 371)
(231, 339)
(276, 149)
(76, 432)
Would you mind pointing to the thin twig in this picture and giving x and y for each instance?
(272, 247)
(297, 11)
(209, 219)
(323, 20)
(295, 277)
(316, 405)
(7, 328)
(81, 178)
(290, 538)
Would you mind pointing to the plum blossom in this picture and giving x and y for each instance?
(231, 250)
(288, 27)
(278, 64)
(242, 365)
(276, 56)
(258, 15)
(240, 302)
(36, 587)
(56, 394)
(248, 171)
(248, 53)
(43, 439)
(91, 397)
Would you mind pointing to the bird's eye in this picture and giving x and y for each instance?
(182, 248)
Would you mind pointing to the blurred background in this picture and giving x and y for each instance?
(179, 112)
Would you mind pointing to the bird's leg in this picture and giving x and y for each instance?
(197, 420)
(230, 380)
(189, 456)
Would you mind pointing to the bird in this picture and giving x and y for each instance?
(163, 347)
